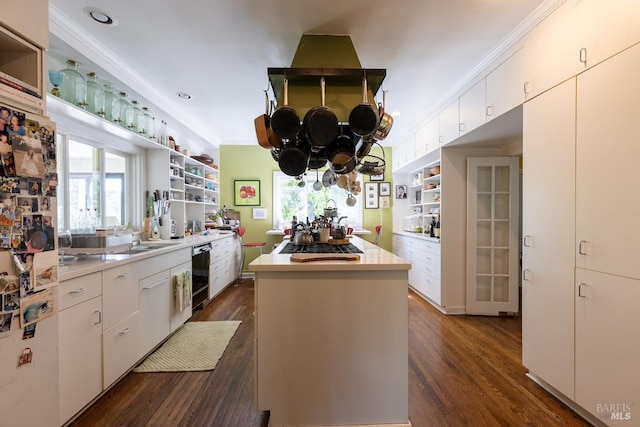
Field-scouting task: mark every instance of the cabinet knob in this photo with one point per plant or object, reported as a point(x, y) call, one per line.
point(583, 56)
point(99, 313)
point(77, 291)
point(489, 112)
point(526, 241)
point(526, 274)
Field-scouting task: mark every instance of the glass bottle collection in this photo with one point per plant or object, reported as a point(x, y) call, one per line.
point(102, 101)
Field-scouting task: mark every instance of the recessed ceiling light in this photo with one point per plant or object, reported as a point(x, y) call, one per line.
point(100, 16)
point(184, 95)
point(395, 113)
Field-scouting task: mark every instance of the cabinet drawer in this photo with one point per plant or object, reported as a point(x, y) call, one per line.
point(79, 289)
point(120, 348)
point(119, 293)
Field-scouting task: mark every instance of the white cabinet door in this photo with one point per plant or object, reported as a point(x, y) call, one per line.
point(120, 348)
point(548, 197)
point(606, 28)
point(155, 310)
point(473, 108)
point(119, 293)
point(492, 235)
point(607, 207)
point(178, 317)
point(505, 89)
point(428, 138)
point(548, 244)
point(80, 362)
point(33, 25)
point(607, 345)
point(449, 123)
point(550, 53)
point(548, 322)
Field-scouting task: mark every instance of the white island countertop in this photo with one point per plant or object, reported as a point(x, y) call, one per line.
point(372, 258)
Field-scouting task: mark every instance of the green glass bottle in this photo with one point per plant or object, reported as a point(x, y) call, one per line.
point(111, 110)
point(125, 108)
point(95, 95)
point(73, 88)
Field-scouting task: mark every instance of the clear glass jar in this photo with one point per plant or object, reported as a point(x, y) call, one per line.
point(73, 88)
point(111, 110)
point(138, 118)
point(125, 109)
point(95, 95)
point(147, 122)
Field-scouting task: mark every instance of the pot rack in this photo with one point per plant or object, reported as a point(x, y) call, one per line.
point(338, 77)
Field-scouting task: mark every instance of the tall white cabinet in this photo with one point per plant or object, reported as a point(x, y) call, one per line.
point(581, 278)
point(607, 233)
point(548, 226)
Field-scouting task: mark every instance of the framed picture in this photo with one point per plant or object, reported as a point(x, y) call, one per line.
point(377, 177)
point(246, 192)
point(401, 191)
point(385, 189)
point(259, 213)
point(371, 195)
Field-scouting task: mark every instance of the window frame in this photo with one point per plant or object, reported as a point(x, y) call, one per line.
point(282, 223)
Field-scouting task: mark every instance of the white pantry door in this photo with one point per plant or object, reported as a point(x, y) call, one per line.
point(492, 235)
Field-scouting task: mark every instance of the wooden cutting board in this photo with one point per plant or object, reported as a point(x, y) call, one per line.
point(324, 257)
point(333, 241)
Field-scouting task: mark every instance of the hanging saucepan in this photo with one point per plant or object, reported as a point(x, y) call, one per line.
point(363, 119)
point(275, 153)
point(345, 168)
point(261, 124)
point(386, 121)
point(320, 124)
point(364, 146)
point(294, 157)
point(317, 159)
point(340, 153)
point(285, 122)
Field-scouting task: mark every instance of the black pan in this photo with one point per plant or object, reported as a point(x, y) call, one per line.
point(363, 119)
point(317, 159)
point(285, 122)
point(294, 157)
point(320, 124)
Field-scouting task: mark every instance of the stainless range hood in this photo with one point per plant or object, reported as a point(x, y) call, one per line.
point(332, 57)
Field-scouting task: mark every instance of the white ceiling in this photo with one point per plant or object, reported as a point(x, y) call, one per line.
point(219, 51)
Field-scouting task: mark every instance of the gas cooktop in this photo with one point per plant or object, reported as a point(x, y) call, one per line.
point(320, 248)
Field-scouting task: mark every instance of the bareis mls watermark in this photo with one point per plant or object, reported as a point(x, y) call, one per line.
point(614, 411)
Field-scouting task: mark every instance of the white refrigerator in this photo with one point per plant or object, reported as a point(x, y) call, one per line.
point(28, 269)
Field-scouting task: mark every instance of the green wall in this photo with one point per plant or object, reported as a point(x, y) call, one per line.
point(241, 162)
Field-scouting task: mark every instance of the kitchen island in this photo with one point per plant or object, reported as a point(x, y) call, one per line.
point(331, 339)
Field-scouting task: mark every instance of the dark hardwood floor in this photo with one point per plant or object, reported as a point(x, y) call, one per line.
point(463, 371)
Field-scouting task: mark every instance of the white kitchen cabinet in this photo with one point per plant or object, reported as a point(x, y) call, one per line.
point(155, 310)
point(427, 138)
point(549, 184)
point(29, 18)
point(548, 252)
point(403, 153)
point(505, 87)
point(605, 28)
point(222, 267)
point(607, 211)
point(550, 52)
point(121, 349)
point(449, 123)
point(548, 322)
point(607, 344)
point(472, 108)
point(79, 343)
point(178, 317)
point(119, 293)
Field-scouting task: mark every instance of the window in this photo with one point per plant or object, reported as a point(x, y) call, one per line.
point(304, 202)
point(94, 185)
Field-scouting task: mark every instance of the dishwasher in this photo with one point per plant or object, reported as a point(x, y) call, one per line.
point(200, 283)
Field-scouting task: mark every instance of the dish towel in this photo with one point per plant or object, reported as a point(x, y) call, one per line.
point(182, 290)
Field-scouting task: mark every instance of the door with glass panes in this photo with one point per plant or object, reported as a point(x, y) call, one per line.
point(492, 235)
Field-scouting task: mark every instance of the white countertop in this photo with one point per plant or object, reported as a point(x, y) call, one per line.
point(372, 258)
point(90, 264)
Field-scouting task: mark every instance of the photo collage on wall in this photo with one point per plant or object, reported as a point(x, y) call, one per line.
point(28, 186)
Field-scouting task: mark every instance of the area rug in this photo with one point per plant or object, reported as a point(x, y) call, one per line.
point(197, 346)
